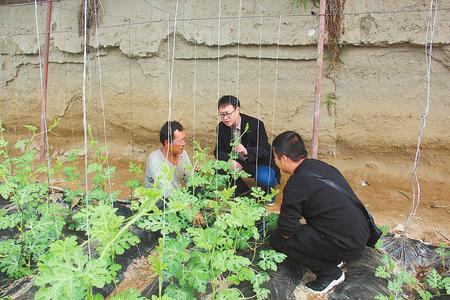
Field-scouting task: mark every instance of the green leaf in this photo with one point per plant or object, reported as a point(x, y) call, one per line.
point(9, 220)
point(206, 238)
point(61, 271)
point(71, 173)
point(446, 284)
point(381, 297)
point(97, 273)
point(128, 294)
point(425, 295)
point(434, 279)
point(31, 128)
point(395, 285)
point(174, 291)
point(228, 294)
point(65, 272)
point(269, 258)
point(11, 261)
point(381, 272)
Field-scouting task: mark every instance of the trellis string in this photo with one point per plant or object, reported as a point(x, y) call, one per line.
point(99, 67)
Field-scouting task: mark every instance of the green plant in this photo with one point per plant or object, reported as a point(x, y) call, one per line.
point(135, 182)
point(334, 13)
point(304, 3)
point(128, 294)
point(64, 269)
point(434, 284)
point(98, 170)
point(397, 278)
point(384, 230)
point(330, 102)
point(443, 253)
point(67, 272)
point(222, 253)
point(38, 220)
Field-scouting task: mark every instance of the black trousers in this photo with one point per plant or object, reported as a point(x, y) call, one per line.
point(313, 250)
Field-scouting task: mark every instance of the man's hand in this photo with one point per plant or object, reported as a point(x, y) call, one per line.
point(236, 165)
point(241, 150)
point(198, 219)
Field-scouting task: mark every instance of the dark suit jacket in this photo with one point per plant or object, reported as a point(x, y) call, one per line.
point(251, 140)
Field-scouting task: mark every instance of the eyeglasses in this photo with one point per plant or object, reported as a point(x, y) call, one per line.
point(227, 115)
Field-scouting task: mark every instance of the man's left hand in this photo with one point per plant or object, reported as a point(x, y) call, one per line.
point(241, 149)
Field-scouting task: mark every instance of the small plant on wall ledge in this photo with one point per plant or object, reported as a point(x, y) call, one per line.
point(333, 26)
point(330, 102)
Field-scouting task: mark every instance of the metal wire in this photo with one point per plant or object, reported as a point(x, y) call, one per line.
point(237, 17)
point(431, 29)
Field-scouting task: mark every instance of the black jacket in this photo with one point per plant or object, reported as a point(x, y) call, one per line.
point(257, 145)
point(325, 208)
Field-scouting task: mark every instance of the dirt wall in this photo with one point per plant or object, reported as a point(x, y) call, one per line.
point(379, 86)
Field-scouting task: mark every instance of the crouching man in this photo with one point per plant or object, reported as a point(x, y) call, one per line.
point(335, 230)
point(171, 153)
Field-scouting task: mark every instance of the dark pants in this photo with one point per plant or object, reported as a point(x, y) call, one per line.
point(311, 249)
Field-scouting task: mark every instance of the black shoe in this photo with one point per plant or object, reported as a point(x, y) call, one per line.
point(323, 284)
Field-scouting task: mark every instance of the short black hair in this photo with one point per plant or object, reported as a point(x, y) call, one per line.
point(228, 100)
point(166, 132)
point(291, 144)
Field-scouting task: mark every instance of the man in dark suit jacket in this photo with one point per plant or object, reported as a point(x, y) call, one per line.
point(254, 151)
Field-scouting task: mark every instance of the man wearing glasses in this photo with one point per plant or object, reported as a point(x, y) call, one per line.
point(253, 148)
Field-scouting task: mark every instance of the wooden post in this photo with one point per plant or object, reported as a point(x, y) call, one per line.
point(319, 79)
point(48, 27)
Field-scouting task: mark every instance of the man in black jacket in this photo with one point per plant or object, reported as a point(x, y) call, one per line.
point(335, 230)
point(253, 149)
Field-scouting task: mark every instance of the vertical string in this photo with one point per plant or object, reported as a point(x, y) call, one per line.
point(275, 88)
point(238, 50)
point(228, 55)
point(130, 89)
point(42, 88)
point(68, 91)
point(259, 110)
point(259, 89)
point(168, 63)
point(99, 67)
point(15, 91)
point(431, 28)
point(5, 104)
point(194, 87)
point(169, 115)
point(85, 129)
point(208, 70)
point(218, 82)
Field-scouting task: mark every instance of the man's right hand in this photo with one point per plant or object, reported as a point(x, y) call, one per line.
point(236, 165)
point(198, 219)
